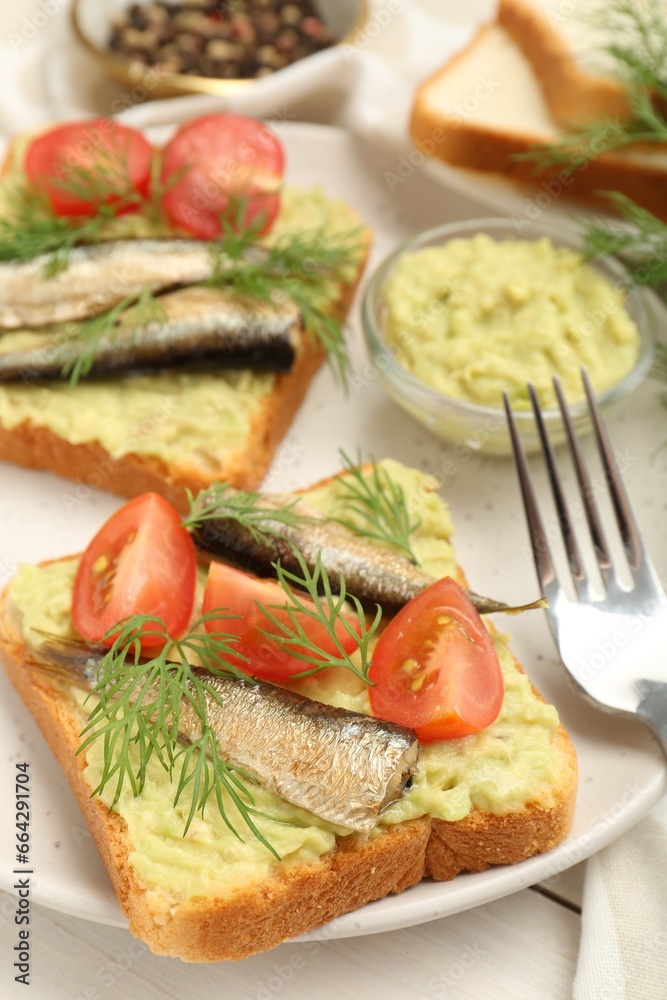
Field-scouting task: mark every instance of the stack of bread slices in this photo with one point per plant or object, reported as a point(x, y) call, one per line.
point(540, 71)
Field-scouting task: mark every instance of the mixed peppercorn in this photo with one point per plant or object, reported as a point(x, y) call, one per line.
point(228, 40)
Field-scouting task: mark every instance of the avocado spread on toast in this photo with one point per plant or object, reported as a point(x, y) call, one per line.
point(501, 769)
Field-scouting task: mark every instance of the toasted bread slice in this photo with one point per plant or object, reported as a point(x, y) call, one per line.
point(234, 421)
point(294, 899)
point(290, 899)
point(485, 106)
point(565, 45)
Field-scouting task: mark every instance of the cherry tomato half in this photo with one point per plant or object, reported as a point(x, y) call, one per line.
point(239, 594)
point(141, 562)
point(435, 667)
point(216, 158)
point(113, 161)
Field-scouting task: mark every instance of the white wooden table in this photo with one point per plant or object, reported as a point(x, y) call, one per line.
point(521, 947)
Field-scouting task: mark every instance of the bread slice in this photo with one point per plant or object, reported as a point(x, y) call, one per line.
point(565, 46)
point(485, 106)
point(55, 435)
point(290, 899)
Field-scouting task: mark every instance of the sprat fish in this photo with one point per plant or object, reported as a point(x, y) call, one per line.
point(192, 326)
point(342, 766)
point(373, 574)
point(96, 278)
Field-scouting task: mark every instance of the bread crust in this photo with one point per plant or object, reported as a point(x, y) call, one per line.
point(293, 900)
point(573, 94)
point(463, 143)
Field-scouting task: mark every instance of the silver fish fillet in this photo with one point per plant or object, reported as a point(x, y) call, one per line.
point(342, 766)
point(372, 574)
point(195, 326)
point(96, 279)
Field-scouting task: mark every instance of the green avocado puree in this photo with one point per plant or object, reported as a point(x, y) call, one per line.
point(511, 763)
point(476, 316)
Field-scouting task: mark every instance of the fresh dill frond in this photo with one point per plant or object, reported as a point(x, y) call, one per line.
point(642, 241)
point(303, 267)
point(379, 501)
point(30, 229)
point(637, 42)
point(637, 45)
point(127, 317)
point(106, 181)
point(592, 139)
point(221, 501)
point(139, 706)
point(325, 609)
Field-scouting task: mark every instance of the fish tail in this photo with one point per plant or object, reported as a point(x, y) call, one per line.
point(65, 660)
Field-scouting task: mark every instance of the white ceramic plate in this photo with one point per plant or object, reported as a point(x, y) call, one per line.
point(621, 771)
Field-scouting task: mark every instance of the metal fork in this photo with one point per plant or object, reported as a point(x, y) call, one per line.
point(613, 643)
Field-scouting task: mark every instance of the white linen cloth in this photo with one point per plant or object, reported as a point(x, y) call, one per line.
point(368, 88)
point(623, 952)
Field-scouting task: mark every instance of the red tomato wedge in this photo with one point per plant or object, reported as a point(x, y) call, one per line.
point(216, 158)
point(435, 668)
point(141, 562)
point(241, 594)
point(113, 161)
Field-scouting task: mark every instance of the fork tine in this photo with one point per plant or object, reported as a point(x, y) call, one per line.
point(625, 518)
point(546, 572)
point(585, 485)
point(564, 520)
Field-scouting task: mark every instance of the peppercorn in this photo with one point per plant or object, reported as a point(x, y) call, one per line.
point(219, 38)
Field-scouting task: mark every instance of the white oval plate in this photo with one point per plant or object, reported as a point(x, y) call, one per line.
point(622, 774)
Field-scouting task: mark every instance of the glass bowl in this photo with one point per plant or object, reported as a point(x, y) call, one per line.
point(471, 425)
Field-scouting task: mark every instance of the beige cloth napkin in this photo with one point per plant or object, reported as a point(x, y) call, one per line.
point(623, 953)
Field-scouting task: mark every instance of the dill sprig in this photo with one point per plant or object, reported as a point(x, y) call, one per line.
point(139, 706)
point(637, 45)
point(247, 508)
point(327, 610)
point(106, 182)
point(642, 240)
point(30, 229)
point(297, 266)
point(379, 500)
point(125, 319)
point(646, 124)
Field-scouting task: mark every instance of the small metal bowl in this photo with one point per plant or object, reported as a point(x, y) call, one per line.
point(92, 25)
point(469, 425)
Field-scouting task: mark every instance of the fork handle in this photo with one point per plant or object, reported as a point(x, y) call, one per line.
point(653, 708)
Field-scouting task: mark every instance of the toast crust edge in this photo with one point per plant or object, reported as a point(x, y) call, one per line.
point(573, 94)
